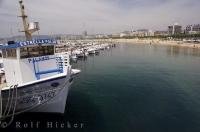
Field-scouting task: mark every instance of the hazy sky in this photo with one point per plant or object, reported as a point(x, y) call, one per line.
point(98, 16)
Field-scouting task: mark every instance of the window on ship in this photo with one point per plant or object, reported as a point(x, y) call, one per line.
point(9, 53)
point(29, 52)
point(1, 65)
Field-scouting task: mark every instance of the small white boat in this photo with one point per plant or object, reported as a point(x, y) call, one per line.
point(75, 71)
point(79, 53)
point(74, 57)
point(102, 48)
point(91, 51)
point(97, 51)
point(86, 53)
point(107, 47)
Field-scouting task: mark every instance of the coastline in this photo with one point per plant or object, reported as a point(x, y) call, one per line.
point(159, 42)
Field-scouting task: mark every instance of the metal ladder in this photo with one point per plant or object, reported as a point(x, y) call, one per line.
point(60, 63)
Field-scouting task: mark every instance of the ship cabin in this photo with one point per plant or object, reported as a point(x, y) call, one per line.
point(29, 61)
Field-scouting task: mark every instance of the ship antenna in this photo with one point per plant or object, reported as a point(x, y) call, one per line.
point(25, 21)
point(29, 28)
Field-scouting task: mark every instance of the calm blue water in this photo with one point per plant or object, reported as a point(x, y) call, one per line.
point(135, 88)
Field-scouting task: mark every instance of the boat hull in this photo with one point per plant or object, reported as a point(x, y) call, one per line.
point(57, 104)
point(47, 96)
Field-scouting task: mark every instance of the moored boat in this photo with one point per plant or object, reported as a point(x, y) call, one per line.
point(37, 79)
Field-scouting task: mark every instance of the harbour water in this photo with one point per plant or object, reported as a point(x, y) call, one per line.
point(130, 88)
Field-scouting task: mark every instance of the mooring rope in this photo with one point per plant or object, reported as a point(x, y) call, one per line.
point(9, 104)
point(14, 108)
point(12, 99)
point(4, 113)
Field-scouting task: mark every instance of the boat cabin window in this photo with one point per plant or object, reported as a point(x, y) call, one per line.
point(9, 53)
point(36, 51)
point(1, 65)
point(4, 53)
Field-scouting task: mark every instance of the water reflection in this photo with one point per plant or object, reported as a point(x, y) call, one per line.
point(176, 51)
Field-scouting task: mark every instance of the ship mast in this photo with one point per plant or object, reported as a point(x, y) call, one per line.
point(24, 17)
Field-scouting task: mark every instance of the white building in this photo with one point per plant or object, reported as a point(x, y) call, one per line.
point(174, 29)
point(192, 29)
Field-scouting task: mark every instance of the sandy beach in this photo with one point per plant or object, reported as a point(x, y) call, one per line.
point(158, 41)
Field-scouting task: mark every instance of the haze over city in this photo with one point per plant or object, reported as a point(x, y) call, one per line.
point(97, 16)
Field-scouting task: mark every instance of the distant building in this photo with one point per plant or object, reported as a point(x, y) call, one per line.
point(85, 33)
point(90, 37)
point(65, 38)
point(115, 35)
point(161, 33)
point(188, 29)
point(174, 29)
point(192, 29)
point(151, 33)
point(125, 34)
point(133, 34)
point(144, 33)
point(101, 36)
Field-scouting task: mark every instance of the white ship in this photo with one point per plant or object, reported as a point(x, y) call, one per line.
point(37, 78)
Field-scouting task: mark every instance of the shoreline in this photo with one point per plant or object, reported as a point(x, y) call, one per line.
point(159, 42)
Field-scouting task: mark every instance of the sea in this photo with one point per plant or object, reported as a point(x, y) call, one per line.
point(129, 88)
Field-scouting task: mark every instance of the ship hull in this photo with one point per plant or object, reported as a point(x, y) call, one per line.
point(47, 96)
point(57, 104)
